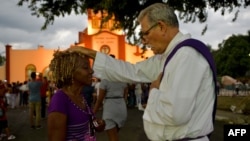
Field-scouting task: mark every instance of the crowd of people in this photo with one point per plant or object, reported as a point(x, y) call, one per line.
point(33, 94)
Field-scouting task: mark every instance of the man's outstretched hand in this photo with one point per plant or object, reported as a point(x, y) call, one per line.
point(86, 51)
point(77, 49)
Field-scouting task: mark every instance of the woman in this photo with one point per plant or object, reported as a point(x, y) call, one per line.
point(112, 95)
point(69, 116)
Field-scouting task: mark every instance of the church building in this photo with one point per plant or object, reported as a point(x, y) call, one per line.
point(21, 62)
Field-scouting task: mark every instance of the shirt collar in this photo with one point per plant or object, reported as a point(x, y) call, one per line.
point(179, 37)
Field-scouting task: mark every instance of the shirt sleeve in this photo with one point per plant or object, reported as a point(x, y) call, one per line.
point(103, 84)
point(111, 69)
point(58, 103)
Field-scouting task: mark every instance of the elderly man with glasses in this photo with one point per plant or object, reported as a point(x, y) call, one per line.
point(182, 96)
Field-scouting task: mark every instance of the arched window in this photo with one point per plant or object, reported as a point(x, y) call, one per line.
point(29, 68)
point(47, 73)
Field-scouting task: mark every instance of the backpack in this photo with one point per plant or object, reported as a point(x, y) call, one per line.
point(203, 50)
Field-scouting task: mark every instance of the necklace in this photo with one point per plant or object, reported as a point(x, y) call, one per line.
point(78, 100)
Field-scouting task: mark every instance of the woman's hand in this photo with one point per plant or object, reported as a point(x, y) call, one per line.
point(100, 126)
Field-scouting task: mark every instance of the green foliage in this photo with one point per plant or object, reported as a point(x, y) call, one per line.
point(2, 60)
point(126, 11)
point(233, 56)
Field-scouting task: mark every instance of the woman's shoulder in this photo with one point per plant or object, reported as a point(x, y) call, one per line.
point(58, 102)
point(59, 96)
point(60, 93)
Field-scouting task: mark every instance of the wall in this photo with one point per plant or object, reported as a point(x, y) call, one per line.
point(19, 59)
point(2, 72)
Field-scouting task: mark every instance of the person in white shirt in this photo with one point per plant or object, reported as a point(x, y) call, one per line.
point(138, 94)
point(181, 102)
point(97, 85)
point(24, 90)
point(237, 87)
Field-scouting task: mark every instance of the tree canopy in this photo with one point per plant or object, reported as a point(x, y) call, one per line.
point(2, 60)
point(125, 12)
point(233, 56)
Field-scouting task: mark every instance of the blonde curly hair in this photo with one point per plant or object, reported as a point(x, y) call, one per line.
point(63, 65)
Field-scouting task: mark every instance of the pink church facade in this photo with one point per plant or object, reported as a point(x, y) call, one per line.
point(21, 62)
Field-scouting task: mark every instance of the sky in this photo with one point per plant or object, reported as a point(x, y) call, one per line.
point(21, 30)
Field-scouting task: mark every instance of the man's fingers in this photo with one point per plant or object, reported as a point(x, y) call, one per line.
point(159, 76)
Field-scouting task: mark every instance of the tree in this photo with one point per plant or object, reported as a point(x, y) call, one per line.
point(233, 56)
point(125, 12)
point(2, 60)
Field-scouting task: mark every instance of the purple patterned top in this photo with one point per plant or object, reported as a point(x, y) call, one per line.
point(77, 119)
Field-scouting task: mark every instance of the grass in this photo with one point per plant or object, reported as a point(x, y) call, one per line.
point(241, 102)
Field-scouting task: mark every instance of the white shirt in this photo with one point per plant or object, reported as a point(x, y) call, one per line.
point(24, 87)
point(97, 85)
point(138, 89)
point(182, 106)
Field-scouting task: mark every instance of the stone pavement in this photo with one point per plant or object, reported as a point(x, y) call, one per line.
point(132, 131)
point(19, 125)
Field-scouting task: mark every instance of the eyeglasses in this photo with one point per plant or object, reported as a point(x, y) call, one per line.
point(145, 33)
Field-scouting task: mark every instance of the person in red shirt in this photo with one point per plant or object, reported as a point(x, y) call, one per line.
point(3, 118)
